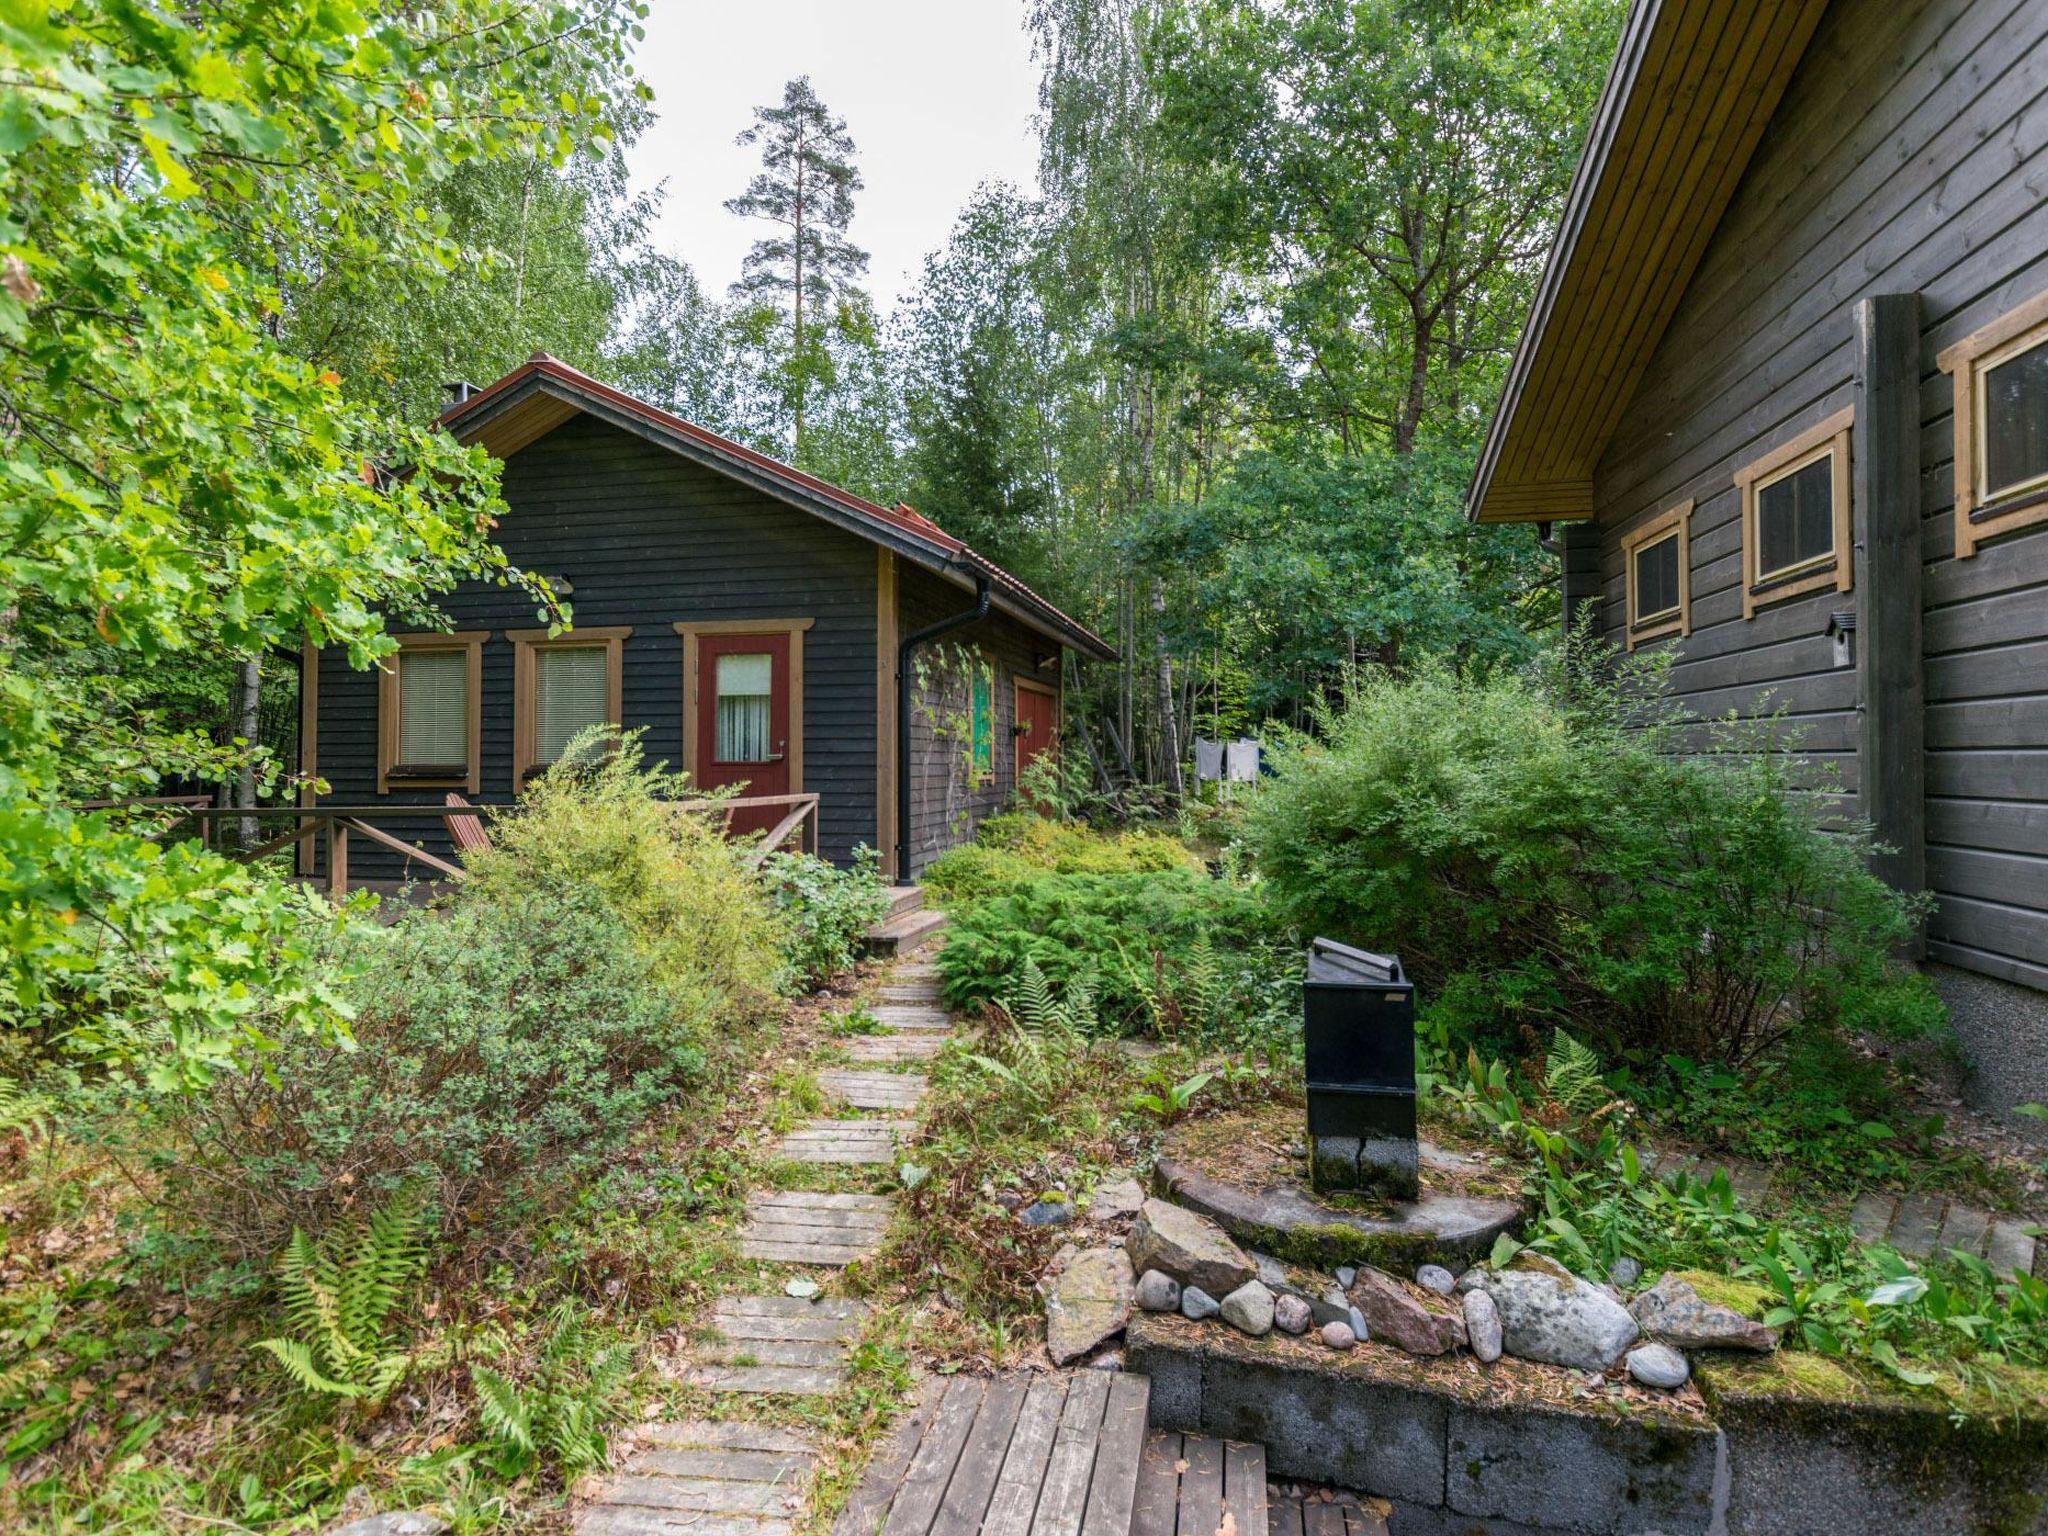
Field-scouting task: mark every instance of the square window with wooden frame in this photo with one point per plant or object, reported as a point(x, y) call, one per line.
point(1795, 516)
point(562, 684)
point(2000, 377)
point(429, 713)
point(1657, 574)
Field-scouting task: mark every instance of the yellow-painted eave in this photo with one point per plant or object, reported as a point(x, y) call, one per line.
point(1688, 96)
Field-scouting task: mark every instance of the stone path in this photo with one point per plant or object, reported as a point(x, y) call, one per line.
point(811, 1227)
point(778, 1344)
point(843, 1141)
point(874, 1090)
point(706, 1479)
point(1193, 1485)
point(1021, 1454)
point(1916, 1225)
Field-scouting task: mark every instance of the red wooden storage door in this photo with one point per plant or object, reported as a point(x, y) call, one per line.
point(743, 719)
point(1036, 726)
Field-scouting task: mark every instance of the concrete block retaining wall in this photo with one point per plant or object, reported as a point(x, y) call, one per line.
point(1461, 1452)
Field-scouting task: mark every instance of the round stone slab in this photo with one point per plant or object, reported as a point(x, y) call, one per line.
point(1288, 1220)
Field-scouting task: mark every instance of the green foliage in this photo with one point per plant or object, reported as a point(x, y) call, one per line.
point(558, 1411)
point(825, 911)
point(1571, 1075)
point(1011, 850)
point(1837, 1296)
point(338, 1294)
point(178, 488)
point(501, 1048)
point(604, 828)
point(1544, 853)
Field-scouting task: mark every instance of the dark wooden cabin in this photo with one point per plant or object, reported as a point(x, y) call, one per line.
point(750, 617)
point(1784, 397)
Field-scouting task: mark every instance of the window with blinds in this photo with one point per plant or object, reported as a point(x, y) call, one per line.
point(433, 714)
point(745, 684)
point(571, 690)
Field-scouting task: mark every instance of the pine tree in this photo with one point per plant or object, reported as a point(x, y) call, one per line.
point(805, 186)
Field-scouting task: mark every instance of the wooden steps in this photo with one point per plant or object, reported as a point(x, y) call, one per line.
point(898, 1092)
point(907, 926)
point(868, 1141)
point(1022, 1454)
point(810, 1227)
point(776, 1344)
point(704, 1479)
point(1322, 1512)
point(1196, 1485)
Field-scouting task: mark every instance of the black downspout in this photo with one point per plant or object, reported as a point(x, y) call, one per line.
point(904, 647)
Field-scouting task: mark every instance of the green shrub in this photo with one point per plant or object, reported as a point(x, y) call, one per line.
point(603, 829)
point(500, 1048)
point(1013, 849)
point(1158, 949)
point(825, 911)
point(1547, 855)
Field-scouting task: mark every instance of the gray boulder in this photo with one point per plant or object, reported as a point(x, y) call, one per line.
point(1418, 1321)
point(1196, 1303)
point(1623, 1273)
point(1672, 1312)
point(1158, 1291)
point(1192, 1249)
point(1435, 1278)
point(1658, 1365)
point(1339, 1336)
point(1291, 1314)
point(1088, 1303)
point(1115, 1199)
point(1547, 1313)
point(396, 1522)
point(1249, 1309)
point(1482, 1326)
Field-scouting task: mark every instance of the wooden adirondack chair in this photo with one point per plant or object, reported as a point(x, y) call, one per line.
point(465, 826)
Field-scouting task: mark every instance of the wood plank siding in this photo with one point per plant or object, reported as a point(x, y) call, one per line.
point(944, 808)
point(648, 539)
point(1907, 156)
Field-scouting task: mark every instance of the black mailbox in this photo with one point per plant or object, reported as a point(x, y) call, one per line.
point(1358, 1048)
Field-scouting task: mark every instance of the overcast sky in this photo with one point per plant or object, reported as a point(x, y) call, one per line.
point(938, 95)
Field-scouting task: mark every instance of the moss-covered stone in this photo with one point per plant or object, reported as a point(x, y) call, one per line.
point(1752, 1301)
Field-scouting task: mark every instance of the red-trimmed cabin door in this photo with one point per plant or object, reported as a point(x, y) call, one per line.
point(743, 720)
point(1036, 727)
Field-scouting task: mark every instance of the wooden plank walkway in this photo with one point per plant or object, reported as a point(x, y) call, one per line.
point(1322, 1512)
point(896, 1048)
point(899, 1091)
point(810, 1227)
point(913, 1016)
point(1017, 1455)
point(776, 1344)
point(1195, 1485)
point(843, 1141)
point(704, 1479)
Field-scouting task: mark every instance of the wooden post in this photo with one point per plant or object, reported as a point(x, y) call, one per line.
point(1886, 501)
point(337, 858)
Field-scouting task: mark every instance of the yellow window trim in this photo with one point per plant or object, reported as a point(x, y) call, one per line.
point(1979, 520)
point(1674, 521)
point(1828, 439)
point(527, 641)
point(470, 642)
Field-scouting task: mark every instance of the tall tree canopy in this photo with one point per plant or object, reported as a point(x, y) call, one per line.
point(175, 481)
point(805, 188)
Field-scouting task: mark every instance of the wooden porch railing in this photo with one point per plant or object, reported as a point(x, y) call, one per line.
point(338, 824)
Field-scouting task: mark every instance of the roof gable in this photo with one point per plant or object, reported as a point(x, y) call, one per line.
point(544, 392)
point(1693, 85)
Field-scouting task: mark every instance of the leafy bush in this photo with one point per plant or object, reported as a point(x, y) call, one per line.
point(1013, 849)
point(824, 910)
point(1158, 950)
point(601, 828)
point(514, 1040)
point(1545, 853)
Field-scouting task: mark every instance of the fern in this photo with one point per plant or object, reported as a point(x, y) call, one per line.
point(1571, 1075)
point(21, 1108)
point(561, 1411)
point(338, 1294)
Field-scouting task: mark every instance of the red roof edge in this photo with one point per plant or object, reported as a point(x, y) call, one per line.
point(902, 518)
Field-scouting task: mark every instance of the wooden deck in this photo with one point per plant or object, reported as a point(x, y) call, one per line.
point(1322, 1512)
point(1017, 1455)
point(1194, 1485)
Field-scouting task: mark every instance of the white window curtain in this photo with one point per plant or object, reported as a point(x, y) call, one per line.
point(433, 709)
point(744, 684)
point(571, 690)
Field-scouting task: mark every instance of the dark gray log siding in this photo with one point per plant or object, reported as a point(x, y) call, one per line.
point(648, 539)
point(1910, 154)
point(943, 812)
